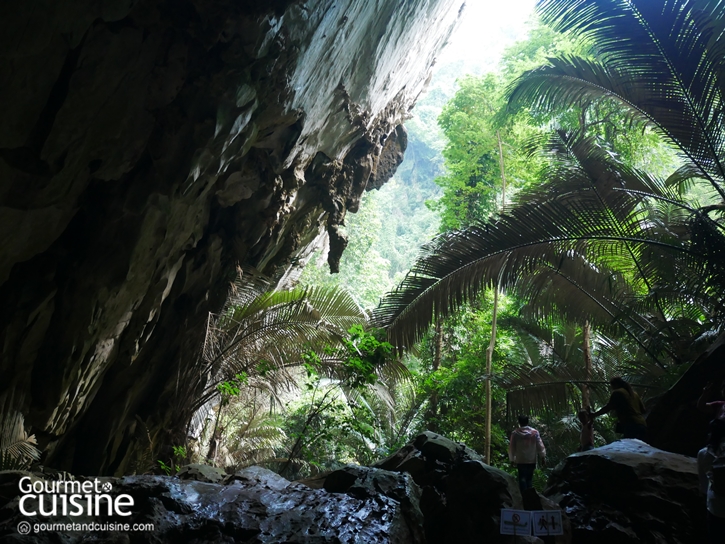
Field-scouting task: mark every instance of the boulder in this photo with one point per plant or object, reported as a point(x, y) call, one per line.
point(367, 483)
point(461, 496)
point(432, 490)
point(674, 423)
point(629, 492)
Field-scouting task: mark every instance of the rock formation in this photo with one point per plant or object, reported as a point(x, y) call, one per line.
point(674, 422)
point(629, 492)
point(432, 490)
point(438, 492)
point(147, 147)
point(461, 497)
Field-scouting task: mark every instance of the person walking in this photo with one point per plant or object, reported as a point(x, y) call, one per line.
point(524, 445)
point(628, 407)
point(715, 450)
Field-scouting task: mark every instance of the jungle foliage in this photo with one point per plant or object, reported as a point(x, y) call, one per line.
point(609, 252)
point(294, 381)
point(604, 234)
point(627, 245)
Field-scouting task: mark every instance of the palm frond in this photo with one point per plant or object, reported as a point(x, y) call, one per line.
point(582, 236)
point(553, 376)
point(536, 399)
point(274, 328)
point(18, 450)
point(660, 60)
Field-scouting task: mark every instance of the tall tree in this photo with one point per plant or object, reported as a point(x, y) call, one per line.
point(470, 182)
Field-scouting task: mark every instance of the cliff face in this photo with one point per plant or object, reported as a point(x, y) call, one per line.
point(147, 147)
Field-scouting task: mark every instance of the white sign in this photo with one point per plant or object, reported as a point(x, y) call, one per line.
point(515, 522)
point(547, 522)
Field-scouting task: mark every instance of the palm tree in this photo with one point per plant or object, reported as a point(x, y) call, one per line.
point(253, 431)
point(265, 331)
point(257, 351)
point(552, 375)
point(663, 63)
point(584, 244)
point(660, 61)
point(258, 341)
point(599, 240)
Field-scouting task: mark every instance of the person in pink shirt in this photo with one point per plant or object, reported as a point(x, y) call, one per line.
point(524, 445)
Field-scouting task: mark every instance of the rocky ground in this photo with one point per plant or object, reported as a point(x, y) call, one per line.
point(433, 490)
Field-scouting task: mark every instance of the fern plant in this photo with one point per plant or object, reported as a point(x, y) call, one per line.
point(18, 450)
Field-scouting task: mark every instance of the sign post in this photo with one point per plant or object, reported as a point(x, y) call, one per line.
point(515, 522)
point(521, 522)
point(547, 523)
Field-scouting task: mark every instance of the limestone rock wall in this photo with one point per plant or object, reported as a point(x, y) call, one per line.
point(147, 147)
point(674, 422)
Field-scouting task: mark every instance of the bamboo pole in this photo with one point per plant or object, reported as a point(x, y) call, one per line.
point(433, 408)
point(492, 344)
point(586, 396)
point(489, 358)
point(503, 173)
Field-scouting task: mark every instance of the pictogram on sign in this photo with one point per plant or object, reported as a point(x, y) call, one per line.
point(515, 522)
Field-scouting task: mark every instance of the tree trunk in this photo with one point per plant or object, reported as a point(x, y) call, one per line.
point(489, 359)
point(503, 172)
point(492, 344)
point(437, 349)
point(586, 397)
point(214, 440)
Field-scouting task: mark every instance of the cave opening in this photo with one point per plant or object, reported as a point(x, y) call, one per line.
point(521, 206)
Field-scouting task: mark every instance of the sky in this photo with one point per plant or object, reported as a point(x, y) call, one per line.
point(487, 28)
